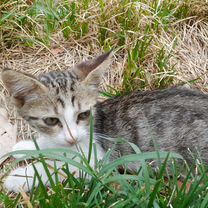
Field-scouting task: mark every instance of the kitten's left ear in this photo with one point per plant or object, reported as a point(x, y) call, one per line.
point(22, 87)
point(90, 72)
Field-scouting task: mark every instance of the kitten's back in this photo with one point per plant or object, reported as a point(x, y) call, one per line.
point(176, 119)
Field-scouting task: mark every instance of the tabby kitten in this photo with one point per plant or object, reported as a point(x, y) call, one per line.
point(58, 105)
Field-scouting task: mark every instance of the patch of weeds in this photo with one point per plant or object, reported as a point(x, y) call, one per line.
point(136, 76)
point(107, 188)
point(122, 22)
point(166, 72)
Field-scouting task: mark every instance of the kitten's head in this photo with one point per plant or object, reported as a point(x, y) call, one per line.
point(58, 104)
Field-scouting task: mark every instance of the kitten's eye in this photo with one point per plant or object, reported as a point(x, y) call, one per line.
point(51, 121)
point(83, 115)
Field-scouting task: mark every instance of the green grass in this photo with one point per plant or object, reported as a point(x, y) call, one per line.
point(135, 29)
point(108, 188)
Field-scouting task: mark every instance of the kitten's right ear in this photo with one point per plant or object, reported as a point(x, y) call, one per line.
point(90, 72)
point(22, 87)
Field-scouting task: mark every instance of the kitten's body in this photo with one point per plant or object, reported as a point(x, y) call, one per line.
point(57, 106)
point(175, 119)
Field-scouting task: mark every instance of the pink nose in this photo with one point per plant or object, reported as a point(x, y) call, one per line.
point(72, 141)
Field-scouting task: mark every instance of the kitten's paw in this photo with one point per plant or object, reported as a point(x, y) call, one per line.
point(7, 134)
point(23, 145)
point(20, 179)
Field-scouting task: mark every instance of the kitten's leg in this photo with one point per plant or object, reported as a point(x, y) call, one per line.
point(23, 145)
point(43, 143)
point(22, 177)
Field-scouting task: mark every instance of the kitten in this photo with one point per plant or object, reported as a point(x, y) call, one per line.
point(58, 104)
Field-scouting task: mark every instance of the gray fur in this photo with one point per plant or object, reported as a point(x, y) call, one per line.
point(175, 119)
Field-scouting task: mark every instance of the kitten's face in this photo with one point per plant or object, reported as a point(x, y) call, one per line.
point(64, 117)
point(58, 104)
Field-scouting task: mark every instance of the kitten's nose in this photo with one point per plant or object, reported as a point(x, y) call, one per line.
point(72, 141)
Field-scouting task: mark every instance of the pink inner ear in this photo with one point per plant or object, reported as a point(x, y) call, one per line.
point(85, 68)
point(19, 102)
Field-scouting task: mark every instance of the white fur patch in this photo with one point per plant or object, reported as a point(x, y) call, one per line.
point(22, 177)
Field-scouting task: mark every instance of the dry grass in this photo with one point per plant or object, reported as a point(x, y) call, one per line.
point(191, 53)
point(198, 8)
point(189, 44)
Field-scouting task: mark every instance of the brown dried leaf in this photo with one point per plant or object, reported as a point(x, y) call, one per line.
point(56, 51)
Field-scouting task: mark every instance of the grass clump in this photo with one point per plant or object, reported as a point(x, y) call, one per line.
point(34, 22)
point(107, 188)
